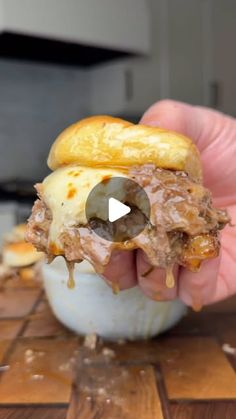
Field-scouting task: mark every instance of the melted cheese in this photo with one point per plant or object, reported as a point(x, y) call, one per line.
point(66, 190)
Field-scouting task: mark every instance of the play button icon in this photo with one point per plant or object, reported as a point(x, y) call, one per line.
point(117, 209)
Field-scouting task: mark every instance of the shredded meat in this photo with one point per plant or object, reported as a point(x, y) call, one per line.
point(178, 203)
point(39, 223)
point(183, 226)
point(82, 243)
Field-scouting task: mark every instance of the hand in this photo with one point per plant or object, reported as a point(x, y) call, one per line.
point(215, 136)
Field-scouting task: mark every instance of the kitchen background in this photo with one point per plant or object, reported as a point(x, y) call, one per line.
point(61, 60)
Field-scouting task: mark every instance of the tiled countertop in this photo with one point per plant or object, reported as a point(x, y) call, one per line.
point(183, 374)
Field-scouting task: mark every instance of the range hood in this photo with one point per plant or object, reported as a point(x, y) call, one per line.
point(80, 32)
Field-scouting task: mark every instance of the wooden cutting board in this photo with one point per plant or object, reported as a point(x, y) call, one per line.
point(47, 374)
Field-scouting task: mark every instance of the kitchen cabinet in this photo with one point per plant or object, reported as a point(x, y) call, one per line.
point(202, 62)
point(123, 88)
point(116, 25)
point(186, 50)
point(73, 32)
point(175, 69)
point(222, 55)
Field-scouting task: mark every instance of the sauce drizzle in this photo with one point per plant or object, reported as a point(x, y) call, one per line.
point(71, 281)
point(170, 279)
point(115, 287)
point(196, 306)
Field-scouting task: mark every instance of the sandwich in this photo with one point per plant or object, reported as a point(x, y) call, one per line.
point(20, 259)
point(182, 227)
point(16, 252)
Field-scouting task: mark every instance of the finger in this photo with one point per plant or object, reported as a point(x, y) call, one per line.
point(226, 284)
point(201, 124)
point(198, 289)
point(121, 270)
point(152, 281)
point(176, 116)
point(216, 280)
point(212, 132)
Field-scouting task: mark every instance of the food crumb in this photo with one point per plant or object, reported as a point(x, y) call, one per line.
point(228, 349)
point(108, 352)
point(101, 391)
point(29, 356)
point(90, 341)
point(28, 352)
point(65, 367)
point(121, 342)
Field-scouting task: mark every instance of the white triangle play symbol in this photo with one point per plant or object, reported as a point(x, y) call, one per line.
point(116, 209)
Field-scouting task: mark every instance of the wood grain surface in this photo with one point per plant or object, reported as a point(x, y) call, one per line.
point(17, 302)
point(204, 410)
point(9, 330)
point(40, 371)
point(44, 373)
point(196, 368)
point(22, 412)
point(116, 392)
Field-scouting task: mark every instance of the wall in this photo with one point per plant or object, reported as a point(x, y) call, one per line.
point(36, 102)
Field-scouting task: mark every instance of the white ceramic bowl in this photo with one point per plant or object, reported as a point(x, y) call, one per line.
point(92, 307)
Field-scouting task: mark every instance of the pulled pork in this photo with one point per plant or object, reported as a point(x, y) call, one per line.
point(183, 226)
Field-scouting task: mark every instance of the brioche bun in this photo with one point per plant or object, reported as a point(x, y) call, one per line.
point(112, 142)
point(16, 255)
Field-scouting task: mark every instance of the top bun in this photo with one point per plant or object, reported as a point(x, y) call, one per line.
point(113, 142)
point(20, 254)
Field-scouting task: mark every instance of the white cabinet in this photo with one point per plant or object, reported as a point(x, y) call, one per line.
point(175, 68)
point(123, 88)
point(186, 50)
point(117, 24)
point(223, 56)
point(202, 58)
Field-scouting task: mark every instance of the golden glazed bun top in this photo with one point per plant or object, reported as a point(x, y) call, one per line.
point(112, 142)
point(20, 254)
